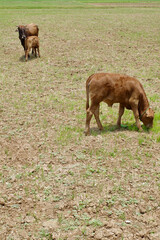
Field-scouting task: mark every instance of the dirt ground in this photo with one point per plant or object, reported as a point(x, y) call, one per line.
point(55, 183)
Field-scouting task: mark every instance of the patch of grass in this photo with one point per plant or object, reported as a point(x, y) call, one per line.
point(66, 133)
point(154, 98)
point(156, 123)
point(95, 223)
point(43, 233)
point(121, 215)
point(117, 1)
point(141, 141)
point(158, 139)
point(110, 202)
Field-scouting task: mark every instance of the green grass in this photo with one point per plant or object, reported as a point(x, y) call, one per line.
point(49, 169)
point(156, 125)
point(41, 4)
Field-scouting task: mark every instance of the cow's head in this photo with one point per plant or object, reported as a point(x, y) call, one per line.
point(148, 117)
point(21, 31)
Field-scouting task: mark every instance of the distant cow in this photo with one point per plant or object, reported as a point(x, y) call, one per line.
point(27, 30)
point(115, 88)
point(31, 42)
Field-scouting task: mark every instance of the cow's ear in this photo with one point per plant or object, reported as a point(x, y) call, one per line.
point(17, 28)
point(150, 112)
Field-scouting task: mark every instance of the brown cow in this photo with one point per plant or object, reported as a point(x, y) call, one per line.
point(116, 88)
point(27, 30)
point(31, 42)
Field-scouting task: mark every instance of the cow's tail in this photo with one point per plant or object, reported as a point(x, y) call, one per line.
point(87, 96)
point(87, 91)
point(37, 30)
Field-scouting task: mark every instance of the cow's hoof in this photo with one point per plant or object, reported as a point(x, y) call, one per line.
point(140, 130)
point(87, 133)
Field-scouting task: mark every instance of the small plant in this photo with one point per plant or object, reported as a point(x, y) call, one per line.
point(95, 222)
point(45, 234)
point(111, 202)
point(60, 218)
point(121, 215)
point(141, 141)
point(158, 139)
point(57, 198)
point(82, 205)
point(84, 231)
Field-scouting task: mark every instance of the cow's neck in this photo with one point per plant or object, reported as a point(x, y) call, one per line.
point(143, 104)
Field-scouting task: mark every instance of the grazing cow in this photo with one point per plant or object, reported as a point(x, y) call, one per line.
point(27, 30)
point(31, 42)
point(115, 88)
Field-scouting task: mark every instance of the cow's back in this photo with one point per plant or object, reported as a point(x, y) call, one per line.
point(114, 88)
point(32, 29)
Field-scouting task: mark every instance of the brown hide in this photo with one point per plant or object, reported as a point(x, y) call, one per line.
point(31, 30)
point(27, 30)
point(31, 42)
point(116, 88)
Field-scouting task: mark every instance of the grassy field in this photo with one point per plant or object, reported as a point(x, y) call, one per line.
point(55, 183)
point(40, 4)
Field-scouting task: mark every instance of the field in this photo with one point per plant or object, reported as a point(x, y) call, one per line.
point(56, 183)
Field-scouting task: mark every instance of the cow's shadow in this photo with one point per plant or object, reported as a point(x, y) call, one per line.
point(114, 128)
point(31, 57)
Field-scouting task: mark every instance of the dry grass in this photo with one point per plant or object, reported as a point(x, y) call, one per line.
point(55, 182)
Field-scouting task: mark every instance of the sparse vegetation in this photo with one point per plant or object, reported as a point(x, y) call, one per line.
point(55, 182)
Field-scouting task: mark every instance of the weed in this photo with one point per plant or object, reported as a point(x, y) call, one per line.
point(95, 222)
point(82, 205)
point(45, 234)
point(70, 225)
point(141, 141)
point(121, 215)
point(158, 139)
point(57, 198)
point(60, 218)
point(110, 202)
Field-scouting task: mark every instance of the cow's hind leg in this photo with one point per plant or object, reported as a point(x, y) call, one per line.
point(121, 111)
point(89, 113)
point(96, 114)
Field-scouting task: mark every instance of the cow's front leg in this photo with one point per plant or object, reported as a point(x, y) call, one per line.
point(136, 115)
point(121, 111)
point(26, 55)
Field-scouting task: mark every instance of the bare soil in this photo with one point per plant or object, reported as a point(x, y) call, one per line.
point(55, 183)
